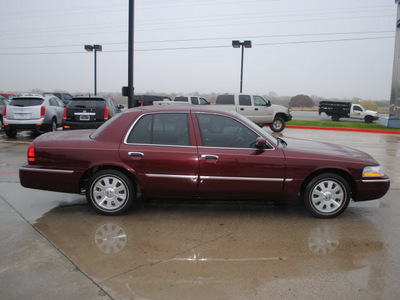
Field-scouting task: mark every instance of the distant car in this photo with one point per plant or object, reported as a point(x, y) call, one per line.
point(3, 103)
point(144, 100)
point(8, 95)
point(37, 113)
point(64, 97)
point(180, 151)
point(191, 100)
point(89, 112)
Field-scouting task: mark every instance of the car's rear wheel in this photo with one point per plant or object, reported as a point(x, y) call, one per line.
point(53, 125)
point(10, 132)
point(277, 125)
point(110, 192)
point(335, 118)
point(327, 195)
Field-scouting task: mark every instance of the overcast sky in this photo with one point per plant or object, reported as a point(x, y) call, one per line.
point(333, 49)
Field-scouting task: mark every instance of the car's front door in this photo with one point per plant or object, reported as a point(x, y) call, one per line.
point(161, 150)
point(231, 166)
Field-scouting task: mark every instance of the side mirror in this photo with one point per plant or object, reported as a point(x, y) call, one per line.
point(261, 143)
point(268, 103)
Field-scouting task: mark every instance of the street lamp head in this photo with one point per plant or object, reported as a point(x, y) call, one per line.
point(88, 47)
point(97, 47)
point(236, 44)
point(247, 44)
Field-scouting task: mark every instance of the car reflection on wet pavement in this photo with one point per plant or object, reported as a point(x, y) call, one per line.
point(225, 250)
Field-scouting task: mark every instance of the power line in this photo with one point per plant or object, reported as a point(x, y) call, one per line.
point(201, 47)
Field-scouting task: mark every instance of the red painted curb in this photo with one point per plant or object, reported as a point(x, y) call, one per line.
point(344, 129)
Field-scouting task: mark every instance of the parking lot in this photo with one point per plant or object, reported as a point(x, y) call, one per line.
point(54, 246)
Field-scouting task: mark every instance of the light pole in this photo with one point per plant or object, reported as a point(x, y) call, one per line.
point(245, 44)
point(94, 48)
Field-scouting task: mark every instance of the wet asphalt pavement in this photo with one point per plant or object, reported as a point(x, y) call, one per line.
point(53, 245)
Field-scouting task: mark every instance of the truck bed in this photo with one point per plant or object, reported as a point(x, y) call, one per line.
point(334, 107)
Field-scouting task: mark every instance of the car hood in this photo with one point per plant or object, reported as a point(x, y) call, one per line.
point(322, 150)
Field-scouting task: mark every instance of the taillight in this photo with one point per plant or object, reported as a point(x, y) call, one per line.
point(42, 111)
point(65, 114)
point(31, 153)
point(106, 114)
point(5, 112)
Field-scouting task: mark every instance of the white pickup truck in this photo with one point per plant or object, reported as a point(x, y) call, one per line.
point(257, 109)
point(340, 109)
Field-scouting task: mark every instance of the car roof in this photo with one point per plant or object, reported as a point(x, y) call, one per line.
point(89, 98)
point(182, 108)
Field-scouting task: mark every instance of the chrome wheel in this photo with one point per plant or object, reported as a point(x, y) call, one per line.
point(327, 196)
point(277, 125)
point(110, 192)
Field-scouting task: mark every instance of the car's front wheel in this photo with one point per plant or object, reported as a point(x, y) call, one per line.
point(277, 125)
point(327, 195)
point(110, 192)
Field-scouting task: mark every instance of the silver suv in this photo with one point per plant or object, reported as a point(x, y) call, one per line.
point(37, 113)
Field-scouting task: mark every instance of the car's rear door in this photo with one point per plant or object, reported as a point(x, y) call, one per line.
point(231, 166)
point(161, 150)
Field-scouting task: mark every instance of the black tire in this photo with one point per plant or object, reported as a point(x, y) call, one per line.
point(277, 125)
point(368, 119)
point(110, 192)
point(1, 124)
point(10, 132)
point(335, 118)
point(53, 125)
point(327, 196)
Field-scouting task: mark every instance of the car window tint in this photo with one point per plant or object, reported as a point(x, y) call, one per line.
point(182, 99)
point(164, 129)
point(244, 100)
point(93, 103)
point(226, 99)
point(222, 131)
point(194, 100)
point(26, 101)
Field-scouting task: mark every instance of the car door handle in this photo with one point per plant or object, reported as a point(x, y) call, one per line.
point(141, 154)
point(209, 156)
point(241, 108)
point(256, 109)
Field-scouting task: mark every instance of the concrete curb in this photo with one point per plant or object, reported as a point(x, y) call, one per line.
point(343, 129)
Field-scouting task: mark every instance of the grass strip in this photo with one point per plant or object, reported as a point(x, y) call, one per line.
point(371, 126)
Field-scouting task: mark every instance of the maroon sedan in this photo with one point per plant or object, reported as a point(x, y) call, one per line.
point(198, 152)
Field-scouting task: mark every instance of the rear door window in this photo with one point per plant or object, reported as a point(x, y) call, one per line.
point(161, 129)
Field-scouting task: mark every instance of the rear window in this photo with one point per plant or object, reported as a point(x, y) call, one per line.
point(182, 99)
point(93, 103)
point(225, 99)
point(26, 102)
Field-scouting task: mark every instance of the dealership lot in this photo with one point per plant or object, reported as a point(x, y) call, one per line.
point(191, 250)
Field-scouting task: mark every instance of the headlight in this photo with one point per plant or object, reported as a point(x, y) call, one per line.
point(373, 171)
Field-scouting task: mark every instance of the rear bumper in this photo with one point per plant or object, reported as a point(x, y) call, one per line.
point(36, 177)
point(18, 125)
point(81, 125)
